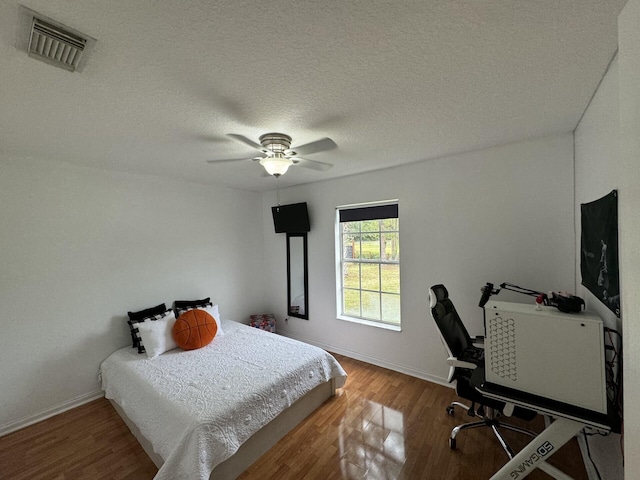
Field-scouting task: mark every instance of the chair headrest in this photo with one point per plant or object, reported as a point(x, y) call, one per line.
point(437, 294)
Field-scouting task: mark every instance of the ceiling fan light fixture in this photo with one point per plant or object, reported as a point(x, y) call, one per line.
point(277, 164)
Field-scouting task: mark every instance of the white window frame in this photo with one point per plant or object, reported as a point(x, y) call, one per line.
point(339, 265)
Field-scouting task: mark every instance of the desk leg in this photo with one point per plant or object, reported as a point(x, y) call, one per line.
point(553, 472)
point(540, 449)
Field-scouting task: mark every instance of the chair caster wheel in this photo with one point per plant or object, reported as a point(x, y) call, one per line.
point(452, 443)
point(450, 410)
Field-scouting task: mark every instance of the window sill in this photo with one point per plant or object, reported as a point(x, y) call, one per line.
point(371, 323)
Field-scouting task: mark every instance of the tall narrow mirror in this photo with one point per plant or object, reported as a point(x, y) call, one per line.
point(297, 289)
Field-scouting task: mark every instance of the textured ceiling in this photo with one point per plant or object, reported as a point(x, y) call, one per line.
point(390, 82)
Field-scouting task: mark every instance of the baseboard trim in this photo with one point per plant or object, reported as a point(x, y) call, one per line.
point(374, 361)
point(50, 412)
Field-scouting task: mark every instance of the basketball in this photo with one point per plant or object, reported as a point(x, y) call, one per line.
point(194, 329)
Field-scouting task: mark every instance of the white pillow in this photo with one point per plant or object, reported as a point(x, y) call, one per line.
point(157, 335)
point(213, 311)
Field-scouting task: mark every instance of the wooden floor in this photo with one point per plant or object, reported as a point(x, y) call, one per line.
point(381, 425)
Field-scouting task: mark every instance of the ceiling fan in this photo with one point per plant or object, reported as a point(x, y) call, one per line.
point(277, 154)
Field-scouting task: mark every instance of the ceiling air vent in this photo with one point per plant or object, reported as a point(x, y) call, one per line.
point(56, 46)
point(53, 42)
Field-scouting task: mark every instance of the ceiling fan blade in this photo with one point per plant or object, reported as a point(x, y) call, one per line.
point(312, 164)
point(321, 145)
point(246, 141)
point(229, 160)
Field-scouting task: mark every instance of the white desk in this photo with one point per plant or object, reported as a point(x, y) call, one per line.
point(568, 422)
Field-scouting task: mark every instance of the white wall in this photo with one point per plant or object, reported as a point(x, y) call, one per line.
point(597, 167)
point(629, 231)
point(597, 172)
point(81, 247)
point(501, 214)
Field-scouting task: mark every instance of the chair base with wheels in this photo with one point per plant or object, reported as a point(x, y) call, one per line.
point(489, 418)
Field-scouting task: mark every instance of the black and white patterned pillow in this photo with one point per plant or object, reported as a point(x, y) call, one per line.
point(135, 333)
point(181, 306)
point(141, 315)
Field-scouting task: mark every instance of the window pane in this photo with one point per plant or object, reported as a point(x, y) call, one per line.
point(390, 246)
point(351, 275)
point(350, 227)
point(350, 246)
point(371, 246)
point(391, 308)
point(371, 305)
point(389, 224)
point(370, 276)
point(370, 226)
point(351, 302)
point(390, 278)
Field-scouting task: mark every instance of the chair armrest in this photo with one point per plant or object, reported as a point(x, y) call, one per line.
point(478, 341)
point(454, 362)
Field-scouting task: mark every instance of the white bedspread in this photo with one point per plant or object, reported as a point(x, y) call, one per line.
point(197, 407)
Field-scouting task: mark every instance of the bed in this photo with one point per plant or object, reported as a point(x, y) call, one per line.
point(209, 413)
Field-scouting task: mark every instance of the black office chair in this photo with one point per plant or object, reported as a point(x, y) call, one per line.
point(464, 357)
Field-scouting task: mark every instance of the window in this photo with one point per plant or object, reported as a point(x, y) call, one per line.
point(368, 264)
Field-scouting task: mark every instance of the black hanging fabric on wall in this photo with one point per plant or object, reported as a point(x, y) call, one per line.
point(599, 250)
